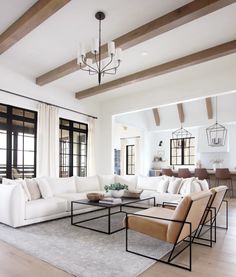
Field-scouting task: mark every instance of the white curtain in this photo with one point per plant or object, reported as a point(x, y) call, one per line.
point(48, 141)
point(91, 147)
point(137, 156)
point(123, 144)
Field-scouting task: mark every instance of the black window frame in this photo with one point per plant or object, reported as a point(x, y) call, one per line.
point(132, 165)
point(71, 129)
point(183, 147)
point(12, 145)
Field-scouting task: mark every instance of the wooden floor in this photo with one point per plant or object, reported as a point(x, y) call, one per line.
point(211, 262)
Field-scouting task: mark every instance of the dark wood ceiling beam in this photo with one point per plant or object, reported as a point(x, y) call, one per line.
point(32, 18)
point(193, 59)
point(181, 112)
point(172, 20)
point(209, 107)
point(156, 116)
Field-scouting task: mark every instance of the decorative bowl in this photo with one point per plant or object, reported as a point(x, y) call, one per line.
point(94, 196)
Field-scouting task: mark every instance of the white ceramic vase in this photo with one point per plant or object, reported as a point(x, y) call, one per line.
point(117, 193)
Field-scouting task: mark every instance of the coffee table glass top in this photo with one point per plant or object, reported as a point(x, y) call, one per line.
point(125, 201)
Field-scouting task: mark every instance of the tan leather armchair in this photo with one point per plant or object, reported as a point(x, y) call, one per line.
point(172, 226)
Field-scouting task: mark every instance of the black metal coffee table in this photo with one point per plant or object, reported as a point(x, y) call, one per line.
point(126, 202)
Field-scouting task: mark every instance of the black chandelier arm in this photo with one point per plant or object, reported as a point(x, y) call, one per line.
point(111, 59)
point(113, 68)
point(89, 66)
point(89, 70)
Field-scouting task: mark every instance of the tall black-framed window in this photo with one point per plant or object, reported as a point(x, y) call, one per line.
point(182, 151)
point(73, 148)
point(18, 140)
point(130, 159)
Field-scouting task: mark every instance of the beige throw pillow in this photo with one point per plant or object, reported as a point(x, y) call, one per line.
point(33, 189)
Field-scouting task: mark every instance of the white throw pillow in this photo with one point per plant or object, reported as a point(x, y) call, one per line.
point(87, 183)
point(204, 184)
point(174, 185)
point(44, 188)
point(129, 180)
point(33, 188)
point(148, 183)
point(163, 185)
point(6, 181)
point(195, 186)
point(106, 180)
point(186, 186)
point(62, 185)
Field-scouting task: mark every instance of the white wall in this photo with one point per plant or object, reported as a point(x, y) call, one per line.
point(228, 158)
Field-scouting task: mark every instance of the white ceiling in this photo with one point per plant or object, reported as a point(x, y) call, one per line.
point(55, 41)
point(195, 115)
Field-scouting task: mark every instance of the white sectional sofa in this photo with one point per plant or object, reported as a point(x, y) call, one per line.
point(24, 202)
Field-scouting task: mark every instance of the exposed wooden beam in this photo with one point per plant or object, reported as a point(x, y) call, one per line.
point(156, 116)
point(180, 112)
point(193, 59)
point(174, 19)
point(209, 107)
point(32, 18)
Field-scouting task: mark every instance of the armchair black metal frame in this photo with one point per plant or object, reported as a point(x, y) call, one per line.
point(188, 239)
point(213, 222)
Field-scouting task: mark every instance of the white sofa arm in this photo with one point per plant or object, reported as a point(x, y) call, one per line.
point(12, 205)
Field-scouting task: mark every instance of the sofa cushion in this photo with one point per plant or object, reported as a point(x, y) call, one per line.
point(129, 180)
point(163, 185)
point(174, 185)
point(73, 197)
point(44, 187)
point(84, 184)
point(6, 181)
point(106, 180)
point(203, 183)
point(45, 207)
point(33, 188)
point(185, 186)
point(62, 185)
point(148, 183)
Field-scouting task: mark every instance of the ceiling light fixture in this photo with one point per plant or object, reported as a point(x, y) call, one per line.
point(93, 63)
point(216, 133)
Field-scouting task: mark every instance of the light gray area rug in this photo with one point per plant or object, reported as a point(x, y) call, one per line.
point(83, 252)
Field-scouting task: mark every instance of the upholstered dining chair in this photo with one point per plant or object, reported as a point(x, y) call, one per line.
point(176, 227)
point(184, 173)
point(167, 172)
point(223, 176)
point(201, 173)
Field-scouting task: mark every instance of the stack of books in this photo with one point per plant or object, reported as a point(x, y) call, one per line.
point(110, 200)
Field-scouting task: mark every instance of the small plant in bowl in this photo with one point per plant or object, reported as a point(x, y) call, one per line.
point(116, 189)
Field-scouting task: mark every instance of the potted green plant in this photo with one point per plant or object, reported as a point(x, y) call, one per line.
point(116, 189)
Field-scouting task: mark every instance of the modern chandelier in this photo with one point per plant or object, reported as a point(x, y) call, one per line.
point(179, 134)
point(93, 61)
point(216, 133)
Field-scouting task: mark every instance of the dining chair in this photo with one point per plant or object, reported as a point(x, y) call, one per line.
point(184, 173)
point(223, 175)
point(167, 172)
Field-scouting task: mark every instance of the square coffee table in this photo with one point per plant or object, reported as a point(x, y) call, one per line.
point(126, 202)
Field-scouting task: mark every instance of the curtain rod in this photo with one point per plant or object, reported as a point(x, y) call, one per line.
point(30, 98)
point(131, 137)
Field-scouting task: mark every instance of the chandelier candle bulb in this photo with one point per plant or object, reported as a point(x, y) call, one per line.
point(111, 48)
point(89, 62)
point(79, 57)
point(81, 49)
point(95, 45)
point(119, 54)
